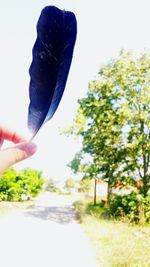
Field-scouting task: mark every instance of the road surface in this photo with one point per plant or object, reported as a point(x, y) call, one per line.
point(45, 235)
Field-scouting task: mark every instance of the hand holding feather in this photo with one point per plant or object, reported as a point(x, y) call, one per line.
point(52, 56)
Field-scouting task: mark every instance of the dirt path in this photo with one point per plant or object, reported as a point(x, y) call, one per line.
point(47, 234)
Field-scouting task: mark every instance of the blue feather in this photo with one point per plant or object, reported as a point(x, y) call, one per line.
point(52, 56)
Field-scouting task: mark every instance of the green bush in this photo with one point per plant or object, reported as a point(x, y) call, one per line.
point(98, 210)
point(84, 208)
point(19, 186)
point(134, 206)
point(51, 186)
point(80, 208)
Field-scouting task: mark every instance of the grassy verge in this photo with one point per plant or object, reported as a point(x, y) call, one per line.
point(8, 206)
point(116, 244)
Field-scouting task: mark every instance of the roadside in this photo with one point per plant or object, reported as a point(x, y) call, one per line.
point(7, 207)
point(116, 243)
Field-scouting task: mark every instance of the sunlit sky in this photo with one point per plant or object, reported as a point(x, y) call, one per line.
point(104, 27)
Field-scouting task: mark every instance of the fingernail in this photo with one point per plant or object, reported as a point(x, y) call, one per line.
point(30, 148)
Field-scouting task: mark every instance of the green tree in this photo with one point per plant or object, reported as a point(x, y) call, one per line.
point(86, 185)
point(70, 184)
point(51, 186)
point(33, 181)
point(114, 120)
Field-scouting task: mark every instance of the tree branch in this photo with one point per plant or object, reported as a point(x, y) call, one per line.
point(140, 173)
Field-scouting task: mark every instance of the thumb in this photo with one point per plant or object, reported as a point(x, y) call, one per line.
point(15, 154)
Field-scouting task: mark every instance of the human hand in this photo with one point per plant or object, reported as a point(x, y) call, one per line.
point(22, 150)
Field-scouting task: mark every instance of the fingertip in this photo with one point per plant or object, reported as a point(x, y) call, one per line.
point(29, 148)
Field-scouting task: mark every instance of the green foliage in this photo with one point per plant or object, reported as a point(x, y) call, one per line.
point(134, 206)
point(75, 163)
point(18, 186)
point(51, 186)
point(97, 210)
point(80, 207)
point(86, 185)
point(113, 121)
point(86, 207)
point(70, 184)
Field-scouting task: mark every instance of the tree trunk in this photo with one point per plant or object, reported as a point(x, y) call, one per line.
point(146, 158)
point(108, 192)
point(95, 186)
point(145, 168)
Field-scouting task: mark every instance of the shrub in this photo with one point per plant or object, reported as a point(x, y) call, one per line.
point(70, 184)
point(19, 186)
point(80, 208)
point(51, 186)
point(133, 206)
point(98, 210)
point(84, 208)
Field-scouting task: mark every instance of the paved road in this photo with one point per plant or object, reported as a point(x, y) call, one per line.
point(47, 234)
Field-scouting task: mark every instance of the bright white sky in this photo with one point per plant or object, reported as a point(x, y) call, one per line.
point(104, 27)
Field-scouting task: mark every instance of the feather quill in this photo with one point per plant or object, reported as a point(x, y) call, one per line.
point(52, 56)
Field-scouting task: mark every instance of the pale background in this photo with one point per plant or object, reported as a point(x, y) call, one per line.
point(104, 27)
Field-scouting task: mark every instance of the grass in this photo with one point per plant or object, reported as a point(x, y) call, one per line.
point(116, 244)
point(8, 206)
